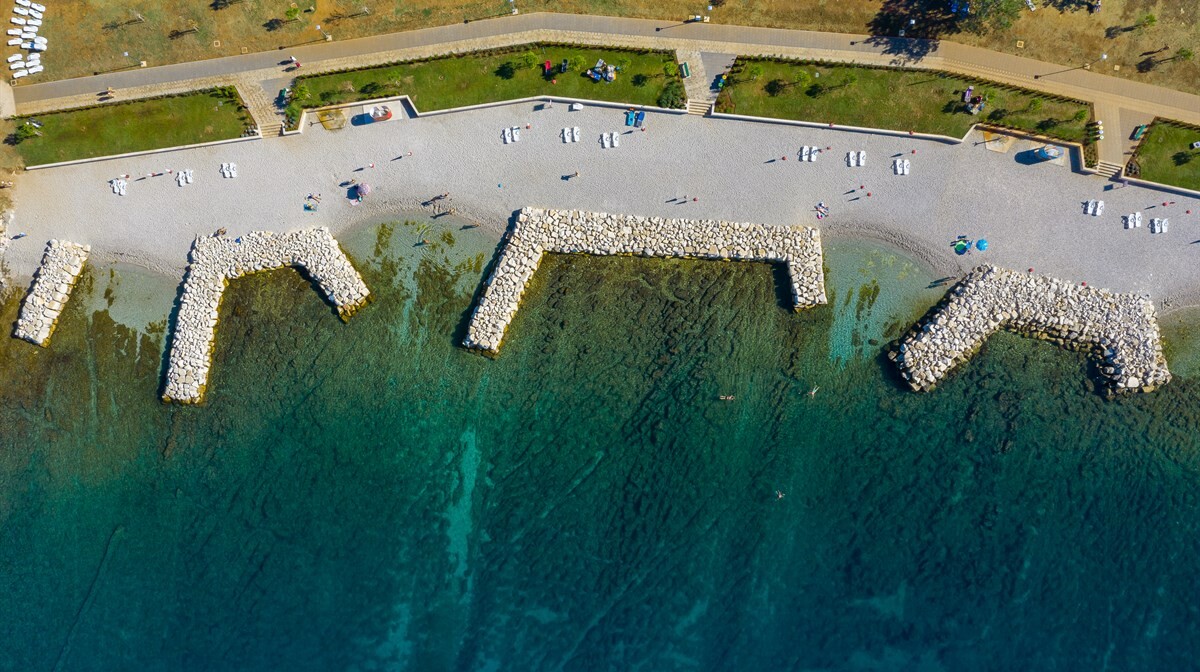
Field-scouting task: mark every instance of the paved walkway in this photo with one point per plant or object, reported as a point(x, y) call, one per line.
point(256, 74)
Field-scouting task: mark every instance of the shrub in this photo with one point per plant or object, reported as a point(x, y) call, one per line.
point(673, 95)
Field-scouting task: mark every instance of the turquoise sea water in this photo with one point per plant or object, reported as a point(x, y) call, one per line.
point(368, 496)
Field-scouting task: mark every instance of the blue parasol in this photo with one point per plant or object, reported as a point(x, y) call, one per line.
point(981, 245)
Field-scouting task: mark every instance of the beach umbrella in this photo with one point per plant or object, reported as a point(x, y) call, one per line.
point(981, 245)
point(962, 246)
point(364, 189)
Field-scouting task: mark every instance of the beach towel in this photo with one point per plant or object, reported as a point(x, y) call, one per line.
point(575, 134)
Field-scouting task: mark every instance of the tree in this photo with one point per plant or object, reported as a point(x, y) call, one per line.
point(1080, 115)
point(623, 63)
point(301, 92)
point(775, 87)
point(1146, 21)
point(992, 15)
point(576, 62)
point(24, 132)
point(800, 78)
point(528, 59)
point(670, 69)
point(849, 79)
point(673, 95)
point(293, 14)
point(1183, 54)
point(756, 71)
point(1035, 105)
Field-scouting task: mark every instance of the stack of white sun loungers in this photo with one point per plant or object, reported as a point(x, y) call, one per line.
point(183, 177)
point(901, 166)
point(807, 153)
point(570, 134)
point(1159, 225)
point(1133, 221)
point(229, 170)
point(118, 186)
point(856, 159)
point(511, 134)
point(609, 140)
point(28, 20)
point(1094, 208)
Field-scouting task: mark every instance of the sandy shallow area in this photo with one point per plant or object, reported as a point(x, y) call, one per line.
point(1031, 214)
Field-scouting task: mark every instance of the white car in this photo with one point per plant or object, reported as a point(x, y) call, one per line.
point(20, 73)
point(18, 20)
point(34, 13)
point(14, 41)
point(23, 3)
point(40, 39)
point(28, 35)
point(14, 58)
point(34, 5)
point(14, 31)
point(16, 66)
point(33, 46)
point(35, 69)
point(21, 10)
point(34, 22)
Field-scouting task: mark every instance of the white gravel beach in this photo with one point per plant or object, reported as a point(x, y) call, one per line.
point(682, 166)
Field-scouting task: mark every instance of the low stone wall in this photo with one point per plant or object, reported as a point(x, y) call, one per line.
point(217, 260)
point(61, 265)
point(537, 231)
point(1119, 330)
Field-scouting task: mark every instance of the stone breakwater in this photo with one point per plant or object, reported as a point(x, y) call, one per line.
point(215, 261)
point(61, 265)
point(538, 231)
point(1119, 330)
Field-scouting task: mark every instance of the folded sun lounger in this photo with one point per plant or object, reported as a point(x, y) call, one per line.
point(615, 142)
point(575, 134)
point(862, 159)
point(907, 165)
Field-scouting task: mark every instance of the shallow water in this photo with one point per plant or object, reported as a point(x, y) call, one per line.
point(368, 496)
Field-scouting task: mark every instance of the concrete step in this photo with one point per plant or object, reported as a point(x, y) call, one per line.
point(699, 107)
point(1109, 170)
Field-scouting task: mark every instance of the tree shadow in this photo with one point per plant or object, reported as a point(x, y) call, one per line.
point(924, 22)
point(1147, 64)
point(1182, 158)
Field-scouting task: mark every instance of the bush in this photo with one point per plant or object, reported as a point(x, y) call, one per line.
point(673, 95)
point(24, 132)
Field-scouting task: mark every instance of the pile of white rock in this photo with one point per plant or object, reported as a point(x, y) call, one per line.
point(537, 231)
point(1119, 330)
point(215, 261)
point(61, 265)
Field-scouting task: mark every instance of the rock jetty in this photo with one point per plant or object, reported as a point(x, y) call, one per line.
point(61, 265)
point(216, 260)
point(537, 231)
point(1119, 330)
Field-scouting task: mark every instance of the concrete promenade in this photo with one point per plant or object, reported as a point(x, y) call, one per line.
point(1120, 103)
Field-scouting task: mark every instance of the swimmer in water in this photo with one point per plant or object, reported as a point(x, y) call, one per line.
point(779, 494)
point(813, 392)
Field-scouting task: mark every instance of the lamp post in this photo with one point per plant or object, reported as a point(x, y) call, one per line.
point(1085, 66)
point(324, 34)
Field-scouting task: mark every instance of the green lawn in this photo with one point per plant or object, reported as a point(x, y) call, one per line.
point(105, 130)
point(483, 78)
point(905, 100)
point(1166, 155)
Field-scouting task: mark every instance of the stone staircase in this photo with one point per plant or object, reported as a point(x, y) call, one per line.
point(266, 116)
point(1109, 170)
point(698, 107)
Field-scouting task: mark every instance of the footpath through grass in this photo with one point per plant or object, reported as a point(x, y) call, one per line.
point(1166, 155)
point(484, 77)
point(903, 100)
point(117, 128)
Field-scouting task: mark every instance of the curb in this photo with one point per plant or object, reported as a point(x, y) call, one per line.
point(147, 152)
point(407, 102)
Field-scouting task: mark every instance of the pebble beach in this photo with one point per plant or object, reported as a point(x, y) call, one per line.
point(680, 167)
